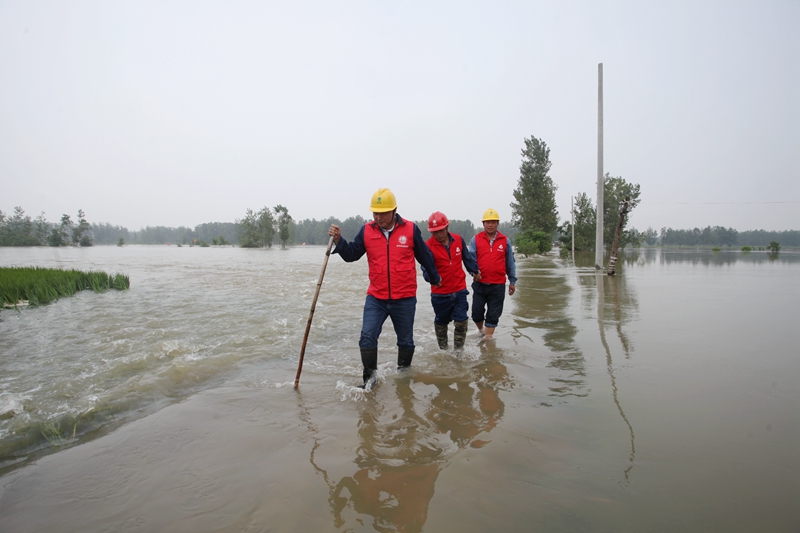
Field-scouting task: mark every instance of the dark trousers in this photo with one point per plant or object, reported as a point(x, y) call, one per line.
point(377, 311)
point(487, 303)
point(447, 307)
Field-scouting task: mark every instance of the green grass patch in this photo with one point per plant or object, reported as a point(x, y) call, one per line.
point(40, 286)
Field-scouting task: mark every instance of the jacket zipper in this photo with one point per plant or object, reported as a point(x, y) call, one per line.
point(388, 266)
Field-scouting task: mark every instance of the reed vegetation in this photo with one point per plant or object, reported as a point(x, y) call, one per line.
point(40, 286)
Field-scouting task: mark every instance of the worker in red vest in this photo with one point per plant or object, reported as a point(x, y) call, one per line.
point(496, 263)
point(449, 299)
point(391, 243)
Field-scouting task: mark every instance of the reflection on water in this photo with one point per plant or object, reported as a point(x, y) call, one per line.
point(611, 299)
point(543, 303)
point(681, 366)
point(695, 256)
point(84, 365)
point(616, 317)
point(406, 440)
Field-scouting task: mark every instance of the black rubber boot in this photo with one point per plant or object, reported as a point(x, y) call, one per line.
point(369, 358)
point(441, 335)
point(460, 334)
point(404, 356)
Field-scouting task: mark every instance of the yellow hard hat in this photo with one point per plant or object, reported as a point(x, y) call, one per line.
point(382, 201)
point(490, 214)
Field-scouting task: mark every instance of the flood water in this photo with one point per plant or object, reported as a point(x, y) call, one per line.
point(666, 398)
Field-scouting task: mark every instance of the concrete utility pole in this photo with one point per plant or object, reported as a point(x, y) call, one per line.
point(598, 242)
point(572, 207)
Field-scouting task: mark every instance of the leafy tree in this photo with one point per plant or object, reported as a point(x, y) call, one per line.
point(318, 231)
point(708, 236)
point(650, 236)
point(22, 228)
point(56, 238)
point(529, 242)
point(465, 228)
point(18, 230)
point(266, 227)
point(313, 231)
point(250, 236)
point(349, 226)
point(207, 231)
point(258, 229)
point(762, 237)
point(506, 228)
point(774, 247)
point(727, 236)
point(585, 224)
point(636, 238)
point(66, 227)
point(77, 230)
point(283, 221)
point(120, 242)
point(81, 234)
point(164, 235)
point(60, 236)
point(615, 190)
point(105, 233)
point(535, 195)
point(42, 228)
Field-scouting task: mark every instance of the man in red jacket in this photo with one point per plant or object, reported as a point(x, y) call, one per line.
point(496, 262)
point(449, 299)
point(391, 244)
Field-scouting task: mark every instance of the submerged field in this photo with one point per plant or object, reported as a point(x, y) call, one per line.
point(662, 399)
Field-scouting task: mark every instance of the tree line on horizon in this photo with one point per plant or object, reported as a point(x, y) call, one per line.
point(21, 230)
point(533, 227)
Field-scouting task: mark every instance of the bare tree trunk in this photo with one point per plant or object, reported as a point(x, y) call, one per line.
point(612, 263)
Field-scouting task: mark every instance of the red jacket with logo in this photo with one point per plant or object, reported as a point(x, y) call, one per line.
point(491, 258)
point(392, 271)
point(448, 265)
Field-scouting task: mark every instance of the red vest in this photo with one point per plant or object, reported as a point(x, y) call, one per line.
point(448, 265)
point(392, 272)
point(492, 258)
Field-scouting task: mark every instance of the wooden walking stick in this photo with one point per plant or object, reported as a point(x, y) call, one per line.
point(311, 314)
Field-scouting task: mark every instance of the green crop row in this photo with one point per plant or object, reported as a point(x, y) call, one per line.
point(39, 286)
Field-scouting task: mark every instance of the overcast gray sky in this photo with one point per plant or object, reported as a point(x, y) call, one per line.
point(178, 113)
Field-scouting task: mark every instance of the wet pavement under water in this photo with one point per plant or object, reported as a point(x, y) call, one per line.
point(666, 398)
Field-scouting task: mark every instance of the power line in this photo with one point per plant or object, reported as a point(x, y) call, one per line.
point(720, 203)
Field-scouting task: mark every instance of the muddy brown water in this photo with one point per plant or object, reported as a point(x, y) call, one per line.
point(666, 398)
